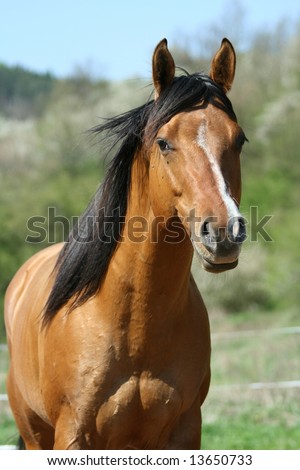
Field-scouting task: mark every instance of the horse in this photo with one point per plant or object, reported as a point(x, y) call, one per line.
point(108, 334)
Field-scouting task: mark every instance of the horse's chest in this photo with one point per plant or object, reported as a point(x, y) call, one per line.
point(140, 407)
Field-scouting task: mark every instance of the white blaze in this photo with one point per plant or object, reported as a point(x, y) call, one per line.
point(229, 203)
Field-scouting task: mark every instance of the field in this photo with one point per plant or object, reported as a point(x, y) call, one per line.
point(266, 416)
point(236, 416)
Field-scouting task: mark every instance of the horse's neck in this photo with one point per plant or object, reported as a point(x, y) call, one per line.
point(147, 287)
point(153, 273)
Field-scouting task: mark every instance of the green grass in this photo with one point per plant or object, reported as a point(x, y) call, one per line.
point(8, 430)
point(244, 432)
point(240, 418)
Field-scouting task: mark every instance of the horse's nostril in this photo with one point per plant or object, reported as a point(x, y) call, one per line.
point(209, 237)
point(212, 234)
point(205, 229)
point(238, 230)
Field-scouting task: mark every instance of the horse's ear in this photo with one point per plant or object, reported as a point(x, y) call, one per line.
point(163, 67)
point(223, 66)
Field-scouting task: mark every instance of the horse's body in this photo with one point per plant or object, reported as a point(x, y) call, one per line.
point(126, 365)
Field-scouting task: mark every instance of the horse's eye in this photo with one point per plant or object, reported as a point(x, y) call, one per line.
point(163, 145)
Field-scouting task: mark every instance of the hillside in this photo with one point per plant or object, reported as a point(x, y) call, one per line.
point(23, 93)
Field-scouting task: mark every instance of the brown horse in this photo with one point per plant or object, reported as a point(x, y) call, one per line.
point(108, 334)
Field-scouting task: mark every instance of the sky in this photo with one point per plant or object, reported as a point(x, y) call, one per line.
point(115, 39)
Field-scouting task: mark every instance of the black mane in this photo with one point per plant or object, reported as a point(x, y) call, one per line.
point(85, 257)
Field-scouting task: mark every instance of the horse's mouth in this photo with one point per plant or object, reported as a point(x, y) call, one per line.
point(211, 266)
point(218, 267)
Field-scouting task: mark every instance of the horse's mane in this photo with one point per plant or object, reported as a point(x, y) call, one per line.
point(85, 257)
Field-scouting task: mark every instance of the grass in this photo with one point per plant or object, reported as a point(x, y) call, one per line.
point(8, 430)
point(257, 419)
point(243, 433)
point(241, 418)
point(238, 417)
point(251, 419)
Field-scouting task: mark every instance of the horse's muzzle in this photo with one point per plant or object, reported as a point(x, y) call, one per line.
point(220, 246)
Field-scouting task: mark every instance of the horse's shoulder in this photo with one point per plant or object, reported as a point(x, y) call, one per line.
point(34, 267)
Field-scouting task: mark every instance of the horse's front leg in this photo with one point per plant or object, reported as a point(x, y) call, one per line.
point(187, 434)
point(34, 432)
point(70, 432)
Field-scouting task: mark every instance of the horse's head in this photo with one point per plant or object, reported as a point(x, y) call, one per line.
point(195, 157)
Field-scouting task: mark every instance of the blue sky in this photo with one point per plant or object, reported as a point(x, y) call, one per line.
point(114, 38)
